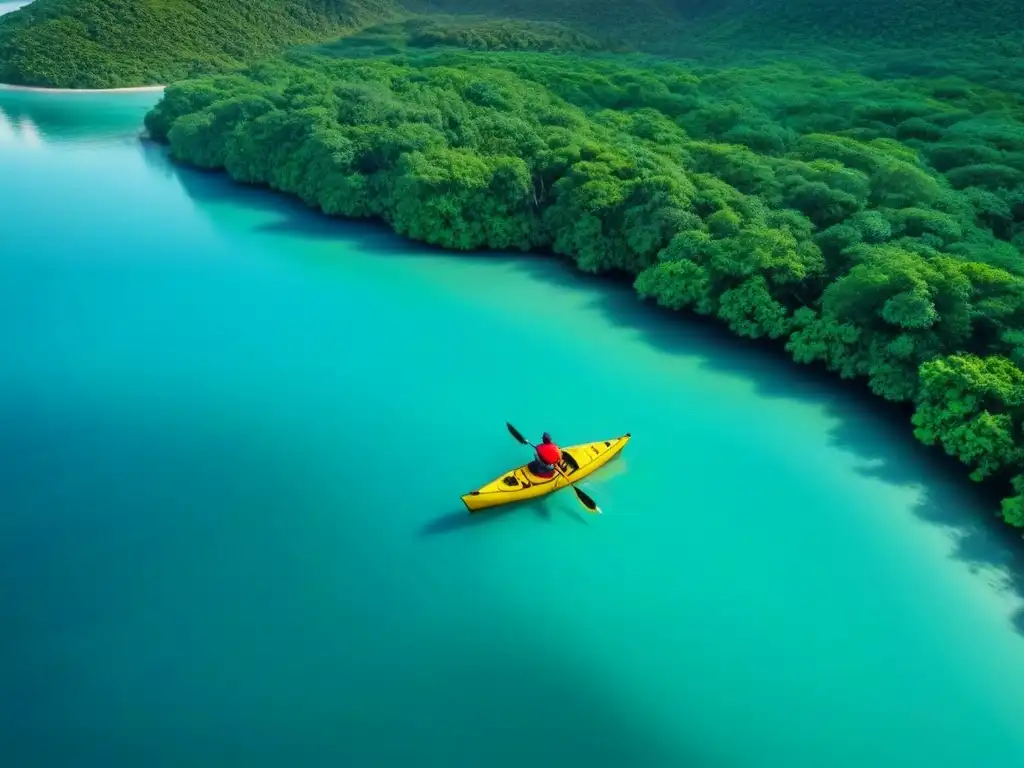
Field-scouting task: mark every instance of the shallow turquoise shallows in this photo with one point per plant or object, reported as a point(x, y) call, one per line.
point(234, 436)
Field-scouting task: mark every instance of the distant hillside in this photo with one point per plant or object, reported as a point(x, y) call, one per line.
point(768, 23)
point(494, 34)
point(112, 43)
point(108, 43)
point(592, 16)
point(913, 23)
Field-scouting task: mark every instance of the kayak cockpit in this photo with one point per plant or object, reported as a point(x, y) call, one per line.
point(520, 484)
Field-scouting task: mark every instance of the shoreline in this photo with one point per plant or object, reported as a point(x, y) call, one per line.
point(40, 89)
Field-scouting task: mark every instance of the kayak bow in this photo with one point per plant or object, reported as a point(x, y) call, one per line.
point(520, 484)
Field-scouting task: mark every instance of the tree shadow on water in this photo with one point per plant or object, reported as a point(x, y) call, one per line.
point(286, 216)
point(282, 214)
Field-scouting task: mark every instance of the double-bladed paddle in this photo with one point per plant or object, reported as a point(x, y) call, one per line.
point(584, 498)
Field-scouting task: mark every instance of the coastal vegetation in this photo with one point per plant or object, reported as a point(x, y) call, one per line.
point(871, 227)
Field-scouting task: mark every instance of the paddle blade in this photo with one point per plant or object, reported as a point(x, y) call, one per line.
point(586, 501)
point(516, 434)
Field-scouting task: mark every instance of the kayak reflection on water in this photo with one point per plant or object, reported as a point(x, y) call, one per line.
point(548, 457)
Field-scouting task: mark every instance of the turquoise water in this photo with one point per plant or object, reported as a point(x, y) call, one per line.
point(233, 439)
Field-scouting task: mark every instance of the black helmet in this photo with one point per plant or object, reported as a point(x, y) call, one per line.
point(546, 437)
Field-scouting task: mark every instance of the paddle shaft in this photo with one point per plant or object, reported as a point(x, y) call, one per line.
point(584, 498)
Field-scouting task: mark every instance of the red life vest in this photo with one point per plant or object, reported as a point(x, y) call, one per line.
point(549, 453)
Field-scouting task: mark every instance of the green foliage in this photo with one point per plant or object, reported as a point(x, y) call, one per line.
point(999, 22)
point(972, 406)
point(499, 35)
point(594, 17)
point(108, 43)
point(866, 225)
point(1013, 507)
point(117, 43)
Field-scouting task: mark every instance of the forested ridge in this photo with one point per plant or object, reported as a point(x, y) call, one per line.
point(871, 227)
point(112, 43)
point(835, 22)
point(117, 43)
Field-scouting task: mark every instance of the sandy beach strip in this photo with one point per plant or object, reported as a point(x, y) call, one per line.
point(34, 89)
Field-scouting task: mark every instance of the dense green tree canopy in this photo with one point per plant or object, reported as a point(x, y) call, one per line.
point(895, 22)
point(116, 43)
point(108, 43)
point(873, 227)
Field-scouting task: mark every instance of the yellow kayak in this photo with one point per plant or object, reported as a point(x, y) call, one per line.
point(520, 484)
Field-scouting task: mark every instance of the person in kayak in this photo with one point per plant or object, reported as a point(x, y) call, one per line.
point(548, 455)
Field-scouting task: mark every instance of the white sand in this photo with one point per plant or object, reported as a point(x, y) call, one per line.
point(7, 7)
point(139, 89)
